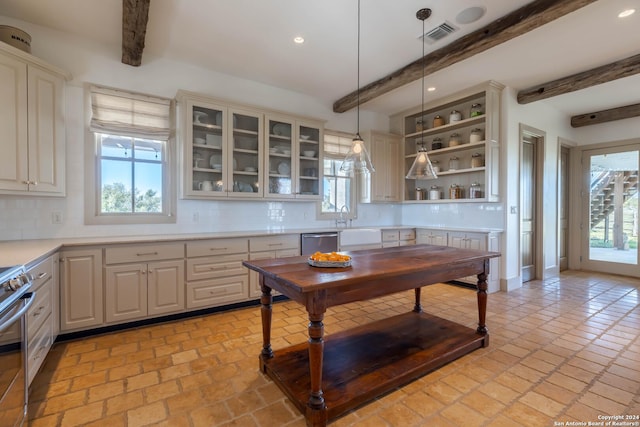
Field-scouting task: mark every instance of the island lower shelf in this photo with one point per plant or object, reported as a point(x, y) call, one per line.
point(365, 362)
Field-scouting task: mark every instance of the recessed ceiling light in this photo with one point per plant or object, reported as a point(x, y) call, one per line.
point(470, 14)
point(626, 13)
point(298, 39)
point(431, 89)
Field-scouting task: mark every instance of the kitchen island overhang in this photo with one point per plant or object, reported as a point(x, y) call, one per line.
point(325, 379)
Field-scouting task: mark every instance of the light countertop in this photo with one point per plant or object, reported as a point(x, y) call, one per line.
point(28, 252)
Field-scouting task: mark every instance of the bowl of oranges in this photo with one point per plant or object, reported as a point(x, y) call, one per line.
point(329, 259)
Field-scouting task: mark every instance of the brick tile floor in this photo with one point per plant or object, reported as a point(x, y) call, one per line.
point(562, 350)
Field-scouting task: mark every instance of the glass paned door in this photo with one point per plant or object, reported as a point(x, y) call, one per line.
point(279, 156)
point(612, 210)
point(246, 157)
point(207, 149)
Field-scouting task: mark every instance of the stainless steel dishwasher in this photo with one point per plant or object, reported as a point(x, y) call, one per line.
point(318, 242)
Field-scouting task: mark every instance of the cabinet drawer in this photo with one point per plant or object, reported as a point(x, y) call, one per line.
point(216, 246)
point(274, 243)
point(390, 235)
point(38, 348)
point(41, 273)
point(409, 234)
point(215, 266)
point(406, 242)
point(213, 292)
point(392, 244)
point(147, 252)
point(40, 309)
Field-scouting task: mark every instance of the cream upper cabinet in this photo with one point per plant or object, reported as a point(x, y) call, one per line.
point(293, 157)
point(233, 151)
point(32, 128)
point(385, 184)
point(460, 134)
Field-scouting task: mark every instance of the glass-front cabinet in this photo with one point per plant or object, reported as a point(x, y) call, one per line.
point(246, 155)
point(229, 151)
point(293, 156)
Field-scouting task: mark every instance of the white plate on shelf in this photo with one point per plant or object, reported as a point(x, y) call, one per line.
point(215, 160)
point(284, 168)
point(280, 129)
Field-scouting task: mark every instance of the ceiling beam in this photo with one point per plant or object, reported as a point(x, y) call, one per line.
point(603, 74)
point(135, 14)
point(521, 21)
point(603, 116)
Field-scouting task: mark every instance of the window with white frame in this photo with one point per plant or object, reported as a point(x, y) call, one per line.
point(129, 180)
point(339, 189)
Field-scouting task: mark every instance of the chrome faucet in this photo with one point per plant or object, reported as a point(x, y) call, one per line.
point(343, 219)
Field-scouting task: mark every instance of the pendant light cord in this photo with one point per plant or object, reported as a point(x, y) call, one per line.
point(358, 91)
point(422, 114)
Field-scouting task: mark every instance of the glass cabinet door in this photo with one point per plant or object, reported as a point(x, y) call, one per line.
point(279, 154)
point(309, 158)
point(208, 157)
point(246, 155)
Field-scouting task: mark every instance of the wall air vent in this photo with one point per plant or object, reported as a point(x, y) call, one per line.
point(439, 32)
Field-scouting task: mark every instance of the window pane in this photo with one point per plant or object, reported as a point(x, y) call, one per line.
point(148, 150)
point(115, 146)
point(328, 198)
point(148, 181)
point(116, 186)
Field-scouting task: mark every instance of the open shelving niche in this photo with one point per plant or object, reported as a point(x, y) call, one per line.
point(488, 95)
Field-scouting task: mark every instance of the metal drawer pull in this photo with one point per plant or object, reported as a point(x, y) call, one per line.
point(218, 249)
point(218, 292)
point(147, 253)
point(224, 267)
point(275, 244)
point(41, 275)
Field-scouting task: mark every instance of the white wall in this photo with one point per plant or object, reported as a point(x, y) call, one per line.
point(30, 217)
point(555, 125)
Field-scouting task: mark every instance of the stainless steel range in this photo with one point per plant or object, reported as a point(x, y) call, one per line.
point(15, 300)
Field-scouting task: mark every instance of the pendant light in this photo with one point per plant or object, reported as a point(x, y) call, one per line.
point(357, 158)
point(422, 167)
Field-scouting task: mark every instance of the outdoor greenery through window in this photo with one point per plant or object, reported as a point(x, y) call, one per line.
point(129, 178)
point(338, 187)
point(131, 172)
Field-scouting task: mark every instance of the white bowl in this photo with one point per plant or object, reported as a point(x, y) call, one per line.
point(305, 136)
point(309, 153)
point(200, 141)
point(250, 169)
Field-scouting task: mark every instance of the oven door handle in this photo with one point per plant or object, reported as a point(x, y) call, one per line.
point(30, 296)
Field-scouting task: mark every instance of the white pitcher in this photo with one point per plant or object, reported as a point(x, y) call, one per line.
point(205, 186)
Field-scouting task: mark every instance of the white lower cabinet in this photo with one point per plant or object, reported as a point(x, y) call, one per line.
point(400, 237)
point(42, 316)
point(270, 247)
point(134, 291)
point(81, 290)
point(431, 237)
point(484, 241)
point(215, 274)
point(143, 289)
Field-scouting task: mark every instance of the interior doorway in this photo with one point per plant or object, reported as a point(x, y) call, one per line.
point(610, 210)
point(563, 208)
point(531, 167)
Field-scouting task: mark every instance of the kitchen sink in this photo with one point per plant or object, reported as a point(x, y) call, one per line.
point(360, 236)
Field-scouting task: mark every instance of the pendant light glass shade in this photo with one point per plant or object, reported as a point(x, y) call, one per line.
point(357, 159)
point(422, 167)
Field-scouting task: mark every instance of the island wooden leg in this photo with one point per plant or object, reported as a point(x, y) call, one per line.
point(482, 306)
point(316, 409)
point(418, 306)
point(266, 300)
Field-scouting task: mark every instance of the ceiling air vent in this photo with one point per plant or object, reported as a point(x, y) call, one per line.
point(439, 32)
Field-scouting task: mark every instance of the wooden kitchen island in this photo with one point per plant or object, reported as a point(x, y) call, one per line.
point(326, 379)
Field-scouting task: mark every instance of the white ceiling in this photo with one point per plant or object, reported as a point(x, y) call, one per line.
point(253, 39)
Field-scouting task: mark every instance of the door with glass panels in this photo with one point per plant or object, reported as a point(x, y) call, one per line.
point(610, 214)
